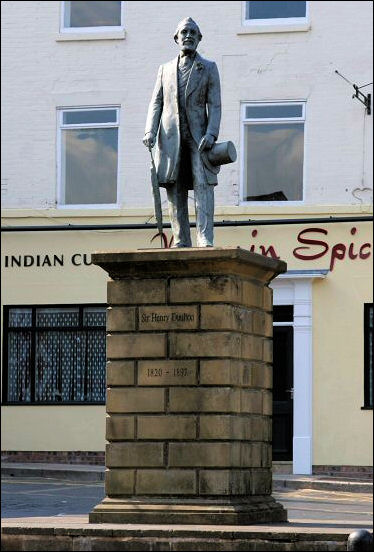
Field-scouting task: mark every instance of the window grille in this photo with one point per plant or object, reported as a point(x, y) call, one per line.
point(54, 355)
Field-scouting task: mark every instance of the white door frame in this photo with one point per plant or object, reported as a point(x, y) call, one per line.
point(295, 288)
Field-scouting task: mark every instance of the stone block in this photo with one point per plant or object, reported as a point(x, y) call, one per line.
point(256, 455)
point(261, 482)
point(225, 482)
point(134, 455)
point(268, 325)
point(252, 294)
point(167, 427)
point(167, 372)
point(165, 482)
point(205, 290)
point(268, 350)
point(225, 427)
point(119, 428)
point(121, 319)
point(262, 375)
point(211, 399)
point(168, 317)
point(252, 347)
point(266, 455)
point(134, 291)
point(262, 323)
point(268, 299)
point(258, 428)
point(268, 429)
point(120, 372)
point(226, 317)
point(267, 403)
point(213, 455)
point(251, 401)
point(119, 482)
point(136, 345)
point(225, 372)
point(206, 344)
point(133, 399)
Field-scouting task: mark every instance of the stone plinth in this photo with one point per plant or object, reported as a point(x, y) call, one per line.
point(189, 379)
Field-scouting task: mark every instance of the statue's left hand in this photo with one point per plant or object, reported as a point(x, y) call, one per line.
point(206, 142)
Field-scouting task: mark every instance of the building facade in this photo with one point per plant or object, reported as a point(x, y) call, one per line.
point(78, 77)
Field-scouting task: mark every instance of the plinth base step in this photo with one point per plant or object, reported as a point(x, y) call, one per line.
point(247, 511)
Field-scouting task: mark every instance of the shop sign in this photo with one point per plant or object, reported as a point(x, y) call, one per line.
point(310, 244)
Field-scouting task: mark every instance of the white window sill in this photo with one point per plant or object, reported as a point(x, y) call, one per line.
point(283, 28)
point(100, 35)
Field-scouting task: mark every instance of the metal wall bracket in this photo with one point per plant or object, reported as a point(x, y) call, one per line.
point(365, 100)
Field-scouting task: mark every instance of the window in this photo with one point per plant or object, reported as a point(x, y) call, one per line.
point(273, 151)
point(275, 12)
point(91, 16)
point(54, 355)
point(88, 157)
point(368, 355)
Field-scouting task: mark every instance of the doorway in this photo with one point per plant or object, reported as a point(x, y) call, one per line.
point(283, 383)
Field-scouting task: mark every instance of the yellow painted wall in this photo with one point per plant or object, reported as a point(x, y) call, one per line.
point(53, 428)
point(341, 430)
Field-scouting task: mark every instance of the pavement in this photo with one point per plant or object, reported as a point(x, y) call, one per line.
point(38, 507)
point(84, 472)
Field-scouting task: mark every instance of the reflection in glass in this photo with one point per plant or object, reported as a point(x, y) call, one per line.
point(89, 166)
point(93, 116)
point(274, 156)
point(92, 14)
point(275, 10)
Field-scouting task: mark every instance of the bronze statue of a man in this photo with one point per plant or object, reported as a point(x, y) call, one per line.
point(185, 111)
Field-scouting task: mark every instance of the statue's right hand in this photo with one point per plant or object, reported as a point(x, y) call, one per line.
point(149, 140)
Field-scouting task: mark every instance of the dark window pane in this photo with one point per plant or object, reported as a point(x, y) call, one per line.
point(89, 166)
point(57, 317)
point(92, 14)
point(19, 367)
point(60, 364)
point(283, 313)
point(275, 10)
point(89, 117)
point(20, 318)
point(70, 366)
point(273, 111)
point(274, 158)
point(94, 316)
point(94, 375)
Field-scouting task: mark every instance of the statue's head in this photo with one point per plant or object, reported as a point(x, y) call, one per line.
point(187, 35)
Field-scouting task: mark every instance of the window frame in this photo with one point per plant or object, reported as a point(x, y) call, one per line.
point(33, 330)
point(367, 331)
point(101, 29)
point(60, 127)
point(277, 22)
point(247, 121)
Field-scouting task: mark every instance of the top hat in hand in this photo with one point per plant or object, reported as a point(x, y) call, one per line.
point(220, 153)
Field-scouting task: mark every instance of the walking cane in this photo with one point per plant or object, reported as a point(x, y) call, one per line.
point(156, 197)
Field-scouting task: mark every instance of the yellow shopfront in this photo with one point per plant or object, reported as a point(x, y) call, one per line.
point(322, 309)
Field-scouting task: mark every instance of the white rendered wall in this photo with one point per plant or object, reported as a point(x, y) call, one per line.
point(42, 72)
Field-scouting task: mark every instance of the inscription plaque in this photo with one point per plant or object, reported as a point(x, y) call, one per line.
point(167, 372)
point(168, 318)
